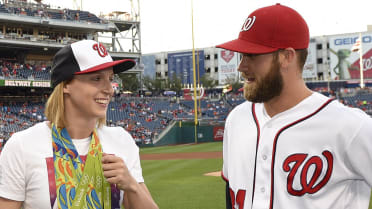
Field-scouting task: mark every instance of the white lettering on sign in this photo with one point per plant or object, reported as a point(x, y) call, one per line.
point(17, 83)
point(41, 84)
point(27, 83)
point(228, 68)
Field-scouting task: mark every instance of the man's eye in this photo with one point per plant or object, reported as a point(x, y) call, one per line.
point(251, 55)
point(96, 78)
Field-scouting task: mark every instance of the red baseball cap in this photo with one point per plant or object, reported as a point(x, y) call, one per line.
point(269, 29)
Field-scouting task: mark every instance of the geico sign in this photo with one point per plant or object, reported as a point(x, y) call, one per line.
point(352, 40)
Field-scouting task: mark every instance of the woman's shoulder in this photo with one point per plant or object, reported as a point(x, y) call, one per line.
point(34, 132)
point(36, 137)
point(116, 140)
point(115, 130)
point(116, 133)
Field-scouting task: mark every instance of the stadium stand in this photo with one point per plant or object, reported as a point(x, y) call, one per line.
point(14, 70)
point(44, 11)
point(32, 32)
point(145, 118)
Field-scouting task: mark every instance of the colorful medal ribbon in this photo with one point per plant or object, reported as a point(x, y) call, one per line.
point(78, 185)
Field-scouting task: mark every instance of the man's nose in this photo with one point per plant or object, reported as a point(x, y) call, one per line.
point(243, 65)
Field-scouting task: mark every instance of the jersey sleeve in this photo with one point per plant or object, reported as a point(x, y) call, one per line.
point(12, 170)
point(359, 152)
point(224, 172)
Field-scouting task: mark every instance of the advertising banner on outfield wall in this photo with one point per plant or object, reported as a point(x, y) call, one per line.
point(24, 83)
point(227, 66)
point(310, 69)
point(149, 64)
point(218, 133)
point(344, 64)
point(181, 65)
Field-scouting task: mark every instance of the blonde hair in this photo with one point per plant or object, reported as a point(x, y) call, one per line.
point(55, 107)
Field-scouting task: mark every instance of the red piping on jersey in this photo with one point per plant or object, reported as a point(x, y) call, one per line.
point(223, 177)
point(258, 140)
point(276, 140)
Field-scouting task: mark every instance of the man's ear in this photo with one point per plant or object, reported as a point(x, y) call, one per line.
point(286, 57)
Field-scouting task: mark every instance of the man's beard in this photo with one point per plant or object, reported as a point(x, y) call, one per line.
point(265, 89)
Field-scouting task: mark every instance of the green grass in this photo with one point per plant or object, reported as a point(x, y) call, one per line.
point(180, 184)
point(203, 147)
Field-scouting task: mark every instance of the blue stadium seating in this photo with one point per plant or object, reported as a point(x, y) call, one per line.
point(145, 117)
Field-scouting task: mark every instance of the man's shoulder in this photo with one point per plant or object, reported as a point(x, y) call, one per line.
point(346, 116)
point(243, 107)
point(240, 110)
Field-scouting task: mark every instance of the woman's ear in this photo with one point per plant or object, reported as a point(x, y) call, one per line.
point(66, 88)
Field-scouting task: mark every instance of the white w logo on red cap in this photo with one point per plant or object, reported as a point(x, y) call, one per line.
point(248, 23)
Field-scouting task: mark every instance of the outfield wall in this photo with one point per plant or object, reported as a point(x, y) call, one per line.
point(184, 133)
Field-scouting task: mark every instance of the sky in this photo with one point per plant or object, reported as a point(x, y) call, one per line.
point(166, 25)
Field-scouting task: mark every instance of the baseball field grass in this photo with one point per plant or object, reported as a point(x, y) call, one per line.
point(203, 147)
point(180, 183)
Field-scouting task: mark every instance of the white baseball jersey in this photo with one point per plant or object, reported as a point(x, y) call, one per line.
point(316, 155)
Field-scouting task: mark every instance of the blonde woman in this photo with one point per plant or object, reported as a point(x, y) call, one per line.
point(73, 160)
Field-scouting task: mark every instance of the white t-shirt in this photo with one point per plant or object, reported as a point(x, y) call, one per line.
point(26, 163)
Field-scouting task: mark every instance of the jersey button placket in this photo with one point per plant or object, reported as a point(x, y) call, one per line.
point(264, 157)
point(263, 168)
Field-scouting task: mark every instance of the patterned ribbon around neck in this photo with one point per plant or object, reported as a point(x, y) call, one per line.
point(79, 186)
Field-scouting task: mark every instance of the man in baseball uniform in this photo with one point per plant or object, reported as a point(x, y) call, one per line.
point(288, 147)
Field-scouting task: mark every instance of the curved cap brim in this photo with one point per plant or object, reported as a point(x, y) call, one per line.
point(243, 46)
point(118, 66)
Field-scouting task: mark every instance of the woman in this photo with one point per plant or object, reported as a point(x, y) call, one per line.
point(74, 160)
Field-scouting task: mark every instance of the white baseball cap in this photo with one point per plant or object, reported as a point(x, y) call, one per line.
point(84, 57)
